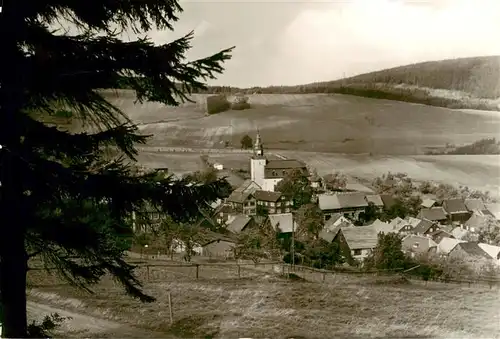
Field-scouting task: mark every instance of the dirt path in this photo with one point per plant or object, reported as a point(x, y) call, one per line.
point(81, 325)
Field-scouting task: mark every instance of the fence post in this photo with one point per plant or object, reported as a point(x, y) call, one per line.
point(324, 276)
point(283, 269)
point(147, 273)
point(197, 270)
point(170, 308)
point(239, 274)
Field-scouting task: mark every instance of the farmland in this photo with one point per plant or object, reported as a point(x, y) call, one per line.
point(312, 122)
point(265, 305)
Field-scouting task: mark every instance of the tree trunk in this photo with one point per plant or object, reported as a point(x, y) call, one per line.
point(13, 267)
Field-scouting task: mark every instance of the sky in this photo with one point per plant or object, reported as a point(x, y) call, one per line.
point(298, 42)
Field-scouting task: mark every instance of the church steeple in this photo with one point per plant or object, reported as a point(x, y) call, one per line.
point(258, 148)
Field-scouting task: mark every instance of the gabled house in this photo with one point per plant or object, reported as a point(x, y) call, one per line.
point(416, 244)
point(428, 203)
point(336, 220)
point(347, 204)
point(283, 223)
point(460, 233)
point(223, 213)
point(382, 227)
point(435, 214)
point(456, 210)
point(446, 245)
point(242, 202)
point(271, 202)
point(439, 235)
point(248, 186)
point(470, 252)
point(478, 222)
point(493, 251)
point(494, 210)
point(401, 226)
point(425, 228)
point(356, 243)
point(240, 223)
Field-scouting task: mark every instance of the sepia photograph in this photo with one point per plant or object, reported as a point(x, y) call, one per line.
point(250, 169)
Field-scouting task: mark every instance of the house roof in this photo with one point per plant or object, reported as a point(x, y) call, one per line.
point(248, 185)
point(388, 200)
point(453, 206)
point(239, 223)
point(382, 227)
point(283, 220)
point(267, 196)
point(446, 245)
point(285, 164)
point(473, 249)
point(358, 187)
point(433, 213)
point(360, 237)
point(478, 221)
point(474, 204)
point(238, 197)
point(337, 220)
point(424, 243)
point(428, 203)
point(397, 224)
point(422, 227)
point(493, 251)
point(459, 233)
point(375, 199)
point(327, 236)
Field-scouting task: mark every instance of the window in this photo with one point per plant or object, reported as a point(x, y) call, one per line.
point(274, 173)
point(431, 229)
point(357, 252)
point(284, 173)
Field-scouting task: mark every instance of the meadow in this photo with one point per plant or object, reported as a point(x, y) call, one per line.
point(260, 304)
point(311, 122)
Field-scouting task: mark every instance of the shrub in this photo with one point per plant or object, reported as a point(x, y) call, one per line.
point(217, 104)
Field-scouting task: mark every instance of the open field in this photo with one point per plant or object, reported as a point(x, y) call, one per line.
point(312, 122)
point(481, 172)
point(263, 305)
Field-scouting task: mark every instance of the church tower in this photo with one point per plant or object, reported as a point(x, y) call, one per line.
point(258, 162)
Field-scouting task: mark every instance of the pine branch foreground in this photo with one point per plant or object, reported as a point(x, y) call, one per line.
point(62, 197)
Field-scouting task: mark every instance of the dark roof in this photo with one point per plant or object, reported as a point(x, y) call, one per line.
point(238, 197)
point(455, 206)
point(473, 249)
point(239, 223)
point(328, 236)
point(433, 213)
point(422, 227)
point(388, 200)
point(267, 196)
point(285, 164)
point(349, 200)
point(360, 237)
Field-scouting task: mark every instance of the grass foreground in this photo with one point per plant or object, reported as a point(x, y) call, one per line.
point(260, 304)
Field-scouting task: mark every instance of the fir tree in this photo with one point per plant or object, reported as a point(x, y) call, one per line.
point(62, 197)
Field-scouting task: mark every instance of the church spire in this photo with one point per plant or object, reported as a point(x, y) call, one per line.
point(258, 148)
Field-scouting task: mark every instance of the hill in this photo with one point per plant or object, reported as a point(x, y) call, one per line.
point(455, 83)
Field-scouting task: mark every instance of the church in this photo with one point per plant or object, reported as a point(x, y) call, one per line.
point(268, 173)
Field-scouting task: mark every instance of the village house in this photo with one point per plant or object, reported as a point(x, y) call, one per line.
point(347, 204)
point(401, 226)
point(239, 223)
point(268, 173)
point(435, 214)
point(271, 202)
point(460, 233)
point(446, 245)
point(415, 245)
point(479, 222)
point(428, 203)
point(336, 220)
point(425, 228)
point(355, 243)
point(223, 213)
point(440, 234)
point(283, 223)
point(494, 209)
point(382, 227)
point(242, 202)
point(219, 248)
point(471, 254)
point(492, 250)
point(456, 210)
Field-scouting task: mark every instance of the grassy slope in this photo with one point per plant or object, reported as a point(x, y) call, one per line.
point(455, 83)
point(312, 122)
point(261, 305)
